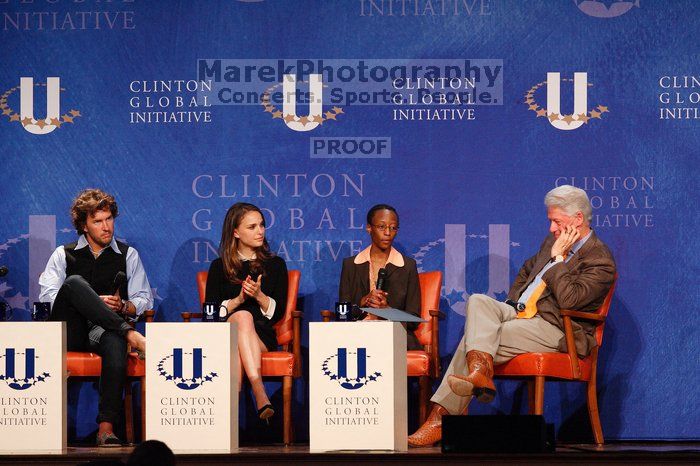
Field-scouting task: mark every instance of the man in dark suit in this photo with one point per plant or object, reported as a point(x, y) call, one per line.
point(573, 269)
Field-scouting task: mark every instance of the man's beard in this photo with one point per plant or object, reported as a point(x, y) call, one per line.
point(102, 242)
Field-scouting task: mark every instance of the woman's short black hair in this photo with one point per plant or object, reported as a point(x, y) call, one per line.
point(377, 207)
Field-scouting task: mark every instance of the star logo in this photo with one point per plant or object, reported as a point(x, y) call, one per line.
point(455, 297)
point(25, 116)
point(12, 298)
point(441, 255)
point(580, 116)
point(13, 379)
point(175, 363)
point(293, 121)
point(339, 360)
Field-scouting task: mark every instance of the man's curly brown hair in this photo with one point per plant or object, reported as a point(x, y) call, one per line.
point(86, 203)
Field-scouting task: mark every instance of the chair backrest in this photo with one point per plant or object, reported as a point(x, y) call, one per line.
point(603, 311)
point(285, 327)
point(430, 285)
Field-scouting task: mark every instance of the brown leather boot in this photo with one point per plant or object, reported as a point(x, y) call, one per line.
point(430, 432)
point(479, 382)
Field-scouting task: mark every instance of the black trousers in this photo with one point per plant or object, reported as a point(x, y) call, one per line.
point(81, 309)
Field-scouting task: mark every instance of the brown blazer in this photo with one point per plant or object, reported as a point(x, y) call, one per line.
point(403, 289)
point(580, 284)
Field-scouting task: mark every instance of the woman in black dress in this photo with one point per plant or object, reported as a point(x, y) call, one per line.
point(250, 282)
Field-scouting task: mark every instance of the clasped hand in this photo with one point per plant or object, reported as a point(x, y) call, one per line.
point(376, 299)
point(249, 289)
point(252, 288)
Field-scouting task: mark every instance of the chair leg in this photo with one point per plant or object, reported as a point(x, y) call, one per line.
point(531, 397)
point(143, 409)
point(593, 412)
point(129, 411)
point(539, 395)
point(287, 400)
point(424, 393)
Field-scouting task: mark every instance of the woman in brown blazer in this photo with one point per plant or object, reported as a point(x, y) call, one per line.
point(358, 278)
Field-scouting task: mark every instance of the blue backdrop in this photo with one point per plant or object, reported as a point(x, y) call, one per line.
point(176, 107)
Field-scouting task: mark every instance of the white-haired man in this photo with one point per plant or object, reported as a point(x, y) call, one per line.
point(573, 269)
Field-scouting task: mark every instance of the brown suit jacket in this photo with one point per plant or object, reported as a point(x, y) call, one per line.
point(403, 288)
point(580, 284)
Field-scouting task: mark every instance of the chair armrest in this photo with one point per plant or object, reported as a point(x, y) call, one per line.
point(327, 315)
point(434, 348)
point(146, 316)
point(296, 345)
point(188, 316)
point(582, 315)
point(567, 315)
point(571, 348)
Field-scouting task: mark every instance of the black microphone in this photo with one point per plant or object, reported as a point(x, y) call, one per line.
point(381, 279)
point(517, 306)
point(119, 280)
point(3, 271)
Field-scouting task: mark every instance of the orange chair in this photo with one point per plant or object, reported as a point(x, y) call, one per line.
point(89, 365)
point(425, 363)
point(538, 367)
point(286, 363)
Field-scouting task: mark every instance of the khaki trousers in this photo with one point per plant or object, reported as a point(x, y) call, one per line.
point(492, 327)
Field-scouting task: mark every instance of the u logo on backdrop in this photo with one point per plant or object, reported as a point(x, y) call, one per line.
point(25, 117)
point(580, 116)
point(11, 374)
point(342, 374)
point(600, 9)
point(314, 97)
point(176, 372)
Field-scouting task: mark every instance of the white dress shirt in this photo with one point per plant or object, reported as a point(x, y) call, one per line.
point(138, 288)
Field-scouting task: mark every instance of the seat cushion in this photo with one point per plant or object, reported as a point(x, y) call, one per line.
point(81, 364)
point(418, 363)
point(543, 364)
point(277, 363)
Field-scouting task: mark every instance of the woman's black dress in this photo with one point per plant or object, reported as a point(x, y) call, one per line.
point(274, 285)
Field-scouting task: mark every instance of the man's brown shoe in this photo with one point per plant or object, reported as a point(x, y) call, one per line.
point(430, 432)
point(479, 382)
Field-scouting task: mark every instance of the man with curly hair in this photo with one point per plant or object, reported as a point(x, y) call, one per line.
point(79, 282)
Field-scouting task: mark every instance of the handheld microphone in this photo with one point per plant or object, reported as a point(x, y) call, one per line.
point(119, 280)
point(3, 271)
point(517, 306)
point(381, 279)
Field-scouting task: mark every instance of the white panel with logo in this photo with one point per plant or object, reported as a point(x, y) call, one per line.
point(357, 376)
point(192, 386)
point(33, 387)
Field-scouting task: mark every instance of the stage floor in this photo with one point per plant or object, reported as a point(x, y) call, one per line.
point(614, 453)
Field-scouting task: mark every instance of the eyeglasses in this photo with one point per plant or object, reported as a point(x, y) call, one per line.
point(383, 228)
